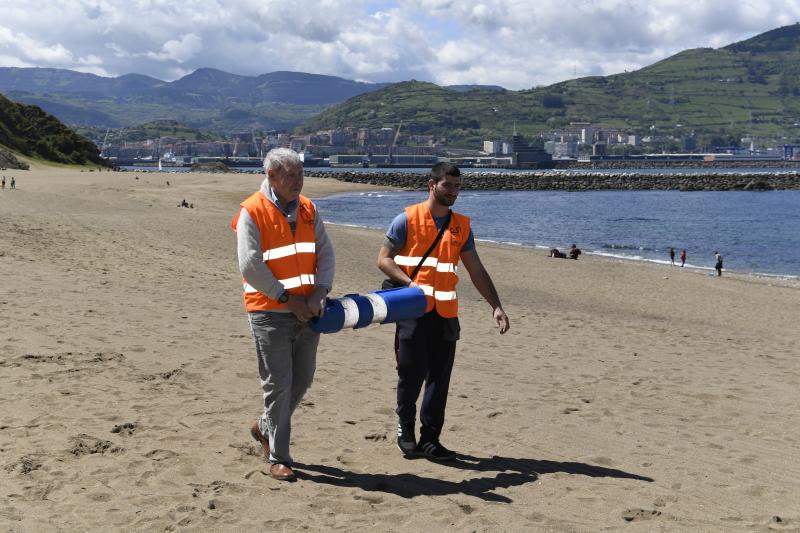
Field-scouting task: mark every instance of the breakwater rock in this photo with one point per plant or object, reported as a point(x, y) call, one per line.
point(578, 181)
point(651, 163)
point(215, 167)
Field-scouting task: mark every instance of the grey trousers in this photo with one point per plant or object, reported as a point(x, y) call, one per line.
point(287, 355)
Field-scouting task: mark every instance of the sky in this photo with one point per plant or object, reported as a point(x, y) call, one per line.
point(517, 44)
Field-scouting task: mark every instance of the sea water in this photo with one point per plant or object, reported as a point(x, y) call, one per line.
point(756, 232)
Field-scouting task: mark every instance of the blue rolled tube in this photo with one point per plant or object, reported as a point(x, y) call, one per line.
point(365, 312)
point(332, 320)
point(384, 306)
point(404, 303)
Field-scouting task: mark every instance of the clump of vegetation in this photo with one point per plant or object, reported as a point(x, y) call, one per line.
point(32, 132)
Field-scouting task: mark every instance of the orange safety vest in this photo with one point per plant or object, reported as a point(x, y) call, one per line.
point(437, 277)
point(292, 259)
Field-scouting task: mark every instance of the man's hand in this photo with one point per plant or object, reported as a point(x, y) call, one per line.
point(299, 308)
point(316, 302)
point(502, 319)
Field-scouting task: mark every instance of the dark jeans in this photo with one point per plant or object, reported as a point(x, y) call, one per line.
point(425, 350)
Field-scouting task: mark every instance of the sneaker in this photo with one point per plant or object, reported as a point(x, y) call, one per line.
point(434, 450)
point(406, 442)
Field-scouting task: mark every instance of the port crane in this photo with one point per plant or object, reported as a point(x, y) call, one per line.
point(105, 142)
point(394, 141)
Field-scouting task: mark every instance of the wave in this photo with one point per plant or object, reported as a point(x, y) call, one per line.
point(614, 246)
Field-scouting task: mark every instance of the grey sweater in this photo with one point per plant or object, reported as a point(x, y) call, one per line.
point(251, 258)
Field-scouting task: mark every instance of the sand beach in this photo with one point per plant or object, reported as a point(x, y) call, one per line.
point(626, 397)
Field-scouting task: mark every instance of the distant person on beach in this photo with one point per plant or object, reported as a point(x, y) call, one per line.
point(13, 183)
point(554, 252)
point(672, 256)
point(718, 263)
point(4, 182)
point(574, 252)
point(683, 257)
point(425, 348)
point(287, 262)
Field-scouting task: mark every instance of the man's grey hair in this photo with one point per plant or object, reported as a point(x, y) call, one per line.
point(281, 158)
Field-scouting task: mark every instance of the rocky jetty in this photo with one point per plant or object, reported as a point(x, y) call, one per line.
point(673, 164)
point(573, 180)
point(211, 167)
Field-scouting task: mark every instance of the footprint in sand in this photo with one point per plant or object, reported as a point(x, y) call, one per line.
point(160, 455)
point(632, 515)
point(369, 498)
point(165, 376)
point(25, 465)
point(126, 428)
point(88, 445)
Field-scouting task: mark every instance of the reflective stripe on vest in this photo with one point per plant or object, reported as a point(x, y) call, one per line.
point(290, 249)
point(291, 257)
point(437, 277)
point(289, 283)
point(405, 260)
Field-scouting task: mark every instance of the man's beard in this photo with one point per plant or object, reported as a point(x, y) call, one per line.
point(442, 199)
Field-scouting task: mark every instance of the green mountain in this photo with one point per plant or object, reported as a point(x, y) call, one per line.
point(149, 130)
point(207, 99)
point(30, 131)
point(748, 88)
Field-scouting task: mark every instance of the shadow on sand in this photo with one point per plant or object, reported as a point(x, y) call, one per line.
point(511, 472)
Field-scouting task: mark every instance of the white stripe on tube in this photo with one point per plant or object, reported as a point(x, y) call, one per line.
point(379, 310)
point(350, 312)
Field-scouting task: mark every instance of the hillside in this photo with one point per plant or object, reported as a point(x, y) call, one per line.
point(747, 88)
point(152, 130)
point(32, 132)
point(207, 99)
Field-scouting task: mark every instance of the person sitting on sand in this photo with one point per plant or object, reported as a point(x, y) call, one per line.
point(554, 252)
point(574, 252)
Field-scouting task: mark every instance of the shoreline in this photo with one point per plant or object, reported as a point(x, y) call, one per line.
point(784, 280)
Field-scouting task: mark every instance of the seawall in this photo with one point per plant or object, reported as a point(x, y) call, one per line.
point(577, 181)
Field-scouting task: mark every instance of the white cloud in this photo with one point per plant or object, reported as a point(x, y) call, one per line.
point(514, 43)
point(178, 50)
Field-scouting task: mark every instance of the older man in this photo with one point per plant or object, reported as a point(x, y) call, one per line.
point(287, 263)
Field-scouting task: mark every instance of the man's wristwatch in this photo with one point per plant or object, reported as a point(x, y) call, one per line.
point(283, 298)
